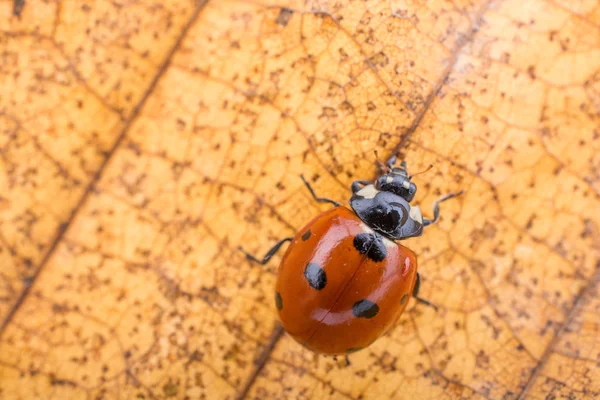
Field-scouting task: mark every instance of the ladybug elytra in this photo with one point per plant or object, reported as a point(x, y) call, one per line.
point(344, 281)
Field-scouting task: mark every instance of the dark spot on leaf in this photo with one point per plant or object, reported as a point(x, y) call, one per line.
point(379, 59)
point(170, 389)
point(328, 112)
point(284, 16)
point(18, 6)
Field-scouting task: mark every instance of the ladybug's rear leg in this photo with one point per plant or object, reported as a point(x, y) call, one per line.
point(269, 254)
point(436, 208)
point(416, 294)
point(319, 199)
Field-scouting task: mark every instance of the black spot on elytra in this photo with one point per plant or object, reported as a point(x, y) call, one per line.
point(284, 16)
point(372, 245)
point(315, 275)
point(365, 309)
point(278, 301)
point(404, 299)
point(306, 235)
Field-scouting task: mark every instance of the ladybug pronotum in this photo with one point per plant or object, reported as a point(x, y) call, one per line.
point(344, 281)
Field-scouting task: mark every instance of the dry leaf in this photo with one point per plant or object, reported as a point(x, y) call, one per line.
point(143, 142)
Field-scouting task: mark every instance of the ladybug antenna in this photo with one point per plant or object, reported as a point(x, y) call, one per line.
point(390, 163)
point(422, 172)
point(379, 163)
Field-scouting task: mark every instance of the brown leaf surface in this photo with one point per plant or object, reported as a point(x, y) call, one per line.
point(162, 136)
point(71, 76)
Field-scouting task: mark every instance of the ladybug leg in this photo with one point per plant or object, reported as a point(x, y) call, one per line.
point(347, 360)
point(357, 185)
point(269, 254)
point(436, 208)
point(319, 199)
point(416, 294)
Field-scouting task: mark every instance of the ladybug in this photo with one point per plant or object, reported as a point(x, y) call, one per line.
point(344, 281)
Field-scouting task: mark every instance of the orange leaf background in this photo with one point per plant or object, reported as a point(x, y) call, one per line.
point(141, 142)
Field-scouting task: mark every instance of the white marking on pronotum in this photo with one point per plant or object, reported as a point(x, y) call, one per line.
point(368, 192)
point(415, 214)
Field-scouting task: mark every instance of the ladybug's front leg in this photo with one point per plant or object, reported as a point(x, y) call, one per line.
point(269, 254)
point(436, 208)
point(319, 199)
point(416, 294)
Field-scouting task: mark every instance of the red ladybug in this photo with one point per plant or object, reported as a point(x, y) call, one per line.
point(344, 281)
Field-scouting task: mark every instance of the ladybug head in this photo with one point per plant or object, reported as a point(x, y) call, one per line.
point(397, 181)
point(384, 205)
